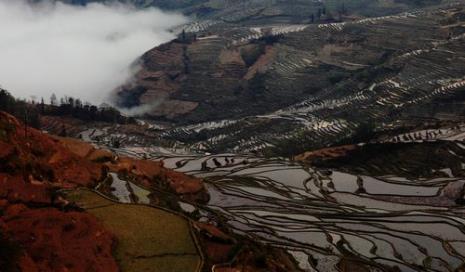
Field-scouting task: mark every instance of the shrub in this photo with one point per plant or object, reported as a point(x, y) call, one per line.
point(9, 254)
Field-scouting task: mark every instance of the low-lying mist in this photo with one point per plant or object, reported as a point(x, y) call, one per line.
point(84, 52)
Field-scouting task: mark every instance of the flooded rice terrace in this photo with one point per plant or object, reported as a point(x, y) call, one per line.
point(320, 216)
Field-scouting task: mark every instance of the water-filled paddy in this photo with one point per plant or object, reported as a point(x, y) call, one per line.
point(328, 215)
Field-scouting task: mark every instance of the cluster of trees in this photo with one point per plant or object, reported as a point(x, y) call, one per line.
point(22, 110)
point(30, 112)
point(318, 15)
point(325, 15)
point(69, 106)
point(186, 38)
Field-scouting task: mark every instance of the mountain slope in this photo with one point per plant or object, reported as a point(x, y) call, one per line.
point(305, 86)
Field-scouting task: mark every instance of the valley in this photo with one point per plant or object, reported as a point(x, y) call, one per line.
point(270, 136)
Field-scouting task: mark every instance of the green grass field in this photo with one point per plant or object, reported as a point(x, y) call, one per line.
point(149, 239)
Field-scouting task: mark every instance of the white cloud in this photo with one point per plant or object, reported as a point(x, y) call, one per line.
point(82, 52)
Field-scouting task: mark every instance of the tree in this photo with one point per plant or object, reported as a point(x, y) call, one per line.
point(53, 100)
point(26, 121)
point(42, 105)
point(185, 60)
point(183, 36)
point(78, 103)
point(6, 101)
point(20, 109)
point(71, 101)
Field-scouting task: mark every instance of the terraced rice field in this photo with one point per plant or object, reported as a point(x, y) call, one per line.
point(323, 216)
point(399, 73)
point(145, 234)
point(371, 212)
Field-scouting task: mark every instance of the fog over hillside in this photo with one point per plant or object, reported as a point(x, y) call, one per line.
point(83, 52)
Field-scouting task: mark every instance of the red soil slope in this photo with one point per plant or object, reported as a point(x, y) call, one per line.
point(33, 166)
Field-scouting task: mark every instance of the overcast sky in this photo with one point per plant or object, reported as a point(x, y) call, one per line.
point(83, 52)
